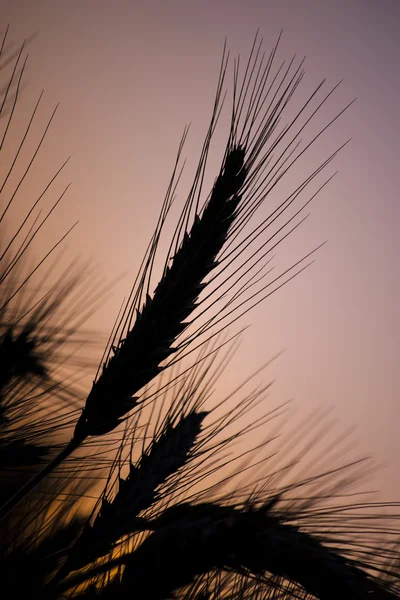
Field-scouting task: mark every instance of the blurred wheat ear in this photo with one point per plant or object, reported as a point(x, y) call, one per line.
point(165, 524)
point(43, 303)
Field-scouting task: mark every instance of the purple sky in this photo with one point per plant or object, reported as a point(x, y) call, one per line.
point(129, 76)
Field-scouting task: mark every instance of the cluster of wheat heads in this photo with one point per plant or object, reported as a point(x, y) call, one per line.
point(184, 504)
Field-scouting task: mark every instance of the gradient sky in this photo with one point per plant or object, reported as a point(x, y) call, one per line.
point(129, 76)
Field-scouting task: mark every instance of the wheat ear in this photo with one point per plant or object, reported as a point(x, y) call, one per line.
point(190, 540)
point(140, 490)
point(150, 341)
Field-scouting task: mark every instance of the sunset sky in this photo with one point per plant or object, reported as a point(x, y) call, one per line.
point(130, 75)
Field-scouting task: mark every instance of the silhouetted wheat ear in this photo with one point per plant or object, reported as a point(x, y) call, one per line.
point(139, 491)
point(191, 540)
point(19, 357)
point(163, 317)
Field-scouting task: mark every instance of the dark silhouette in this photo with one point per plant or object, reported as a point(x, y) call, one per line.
point(185, 510)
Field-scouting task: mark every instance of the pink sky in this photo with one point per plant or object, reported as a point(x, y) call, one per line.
point(129, 76)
